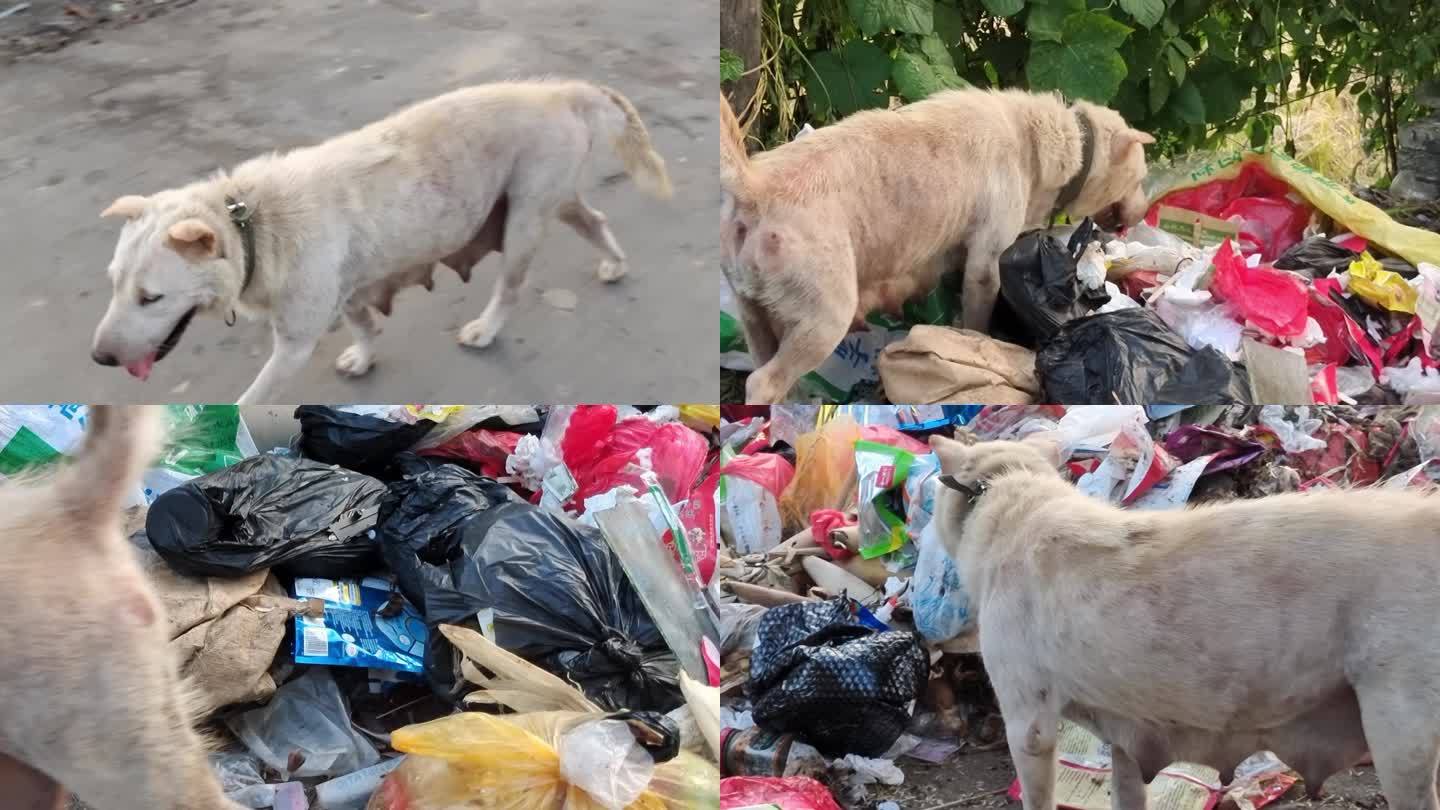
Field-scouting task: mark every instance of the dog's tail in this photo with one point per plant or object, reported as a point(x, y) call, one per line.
point(120, 442)
point(633, 147)
point(736, 176)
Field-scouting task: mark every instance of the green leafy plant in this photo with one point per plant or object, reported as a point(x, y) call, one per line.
point(1190, 71)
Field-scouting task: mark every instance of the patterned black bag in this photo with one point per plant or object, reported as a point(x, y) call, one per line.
point(846, 688)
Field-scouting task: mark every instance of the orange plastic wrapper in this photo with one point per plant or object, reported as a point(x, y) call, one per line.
point(824, 461)
point(477, 761)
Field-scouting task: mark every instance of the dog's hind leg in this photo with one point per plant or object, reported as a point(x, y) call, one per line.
point(760, 337)
point(524, 228)
point(1399, 721)
point(593, 226)
point(357, 359)
point(1127, 784)
point(1031, 732)
point(823, 318)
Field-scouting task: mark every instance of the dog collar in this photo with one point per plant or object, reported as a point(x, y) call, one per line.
point(241, 215)
point(1071, 191)
point(973, 491)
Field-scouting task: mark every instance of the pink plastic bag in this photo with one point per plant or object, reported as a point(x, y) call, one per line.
point(699, 513)
point(1268, 298)
point(789, 793)
point(769, 470)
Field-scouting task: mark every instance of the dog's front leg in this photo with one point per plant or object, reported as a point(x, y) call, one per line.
point(1127, 784)
point(288, 356)
point(357, 359)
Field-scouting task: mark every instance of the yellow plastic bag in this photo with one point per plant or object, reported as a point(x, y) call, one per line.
point(703, 418)
point(824, 461)
point(476, 761)
point(1371, 281)
point(1412, 244)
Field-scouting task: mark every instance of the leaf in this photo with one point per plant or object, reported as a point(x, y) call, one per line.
point(1159, 89)
point(1176, 63)
point(1259, 133)
point(1007, 8)
point(1047, 17)
point(1085, 63)
point(1188, 104)
point(906, 16)
point(1221, 87)
point(918, 75)
point(949, 23)
point(732, 67)
point(1145, 12)
point(839, 82)
point(1183, 47)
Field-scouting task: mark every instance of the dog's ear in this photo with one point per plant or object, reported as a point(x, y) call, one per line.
point(1048, 443)
point(192, 239)
point(1126, 138)
point(130, 206)
point(950, 453)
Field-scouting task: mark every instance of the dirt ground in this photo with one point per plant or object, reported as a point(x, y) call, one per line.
point(985, 776)
point(102, 98)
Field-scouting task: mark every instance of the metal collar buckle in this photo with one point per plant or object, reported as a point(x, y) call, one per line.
point(972, 491)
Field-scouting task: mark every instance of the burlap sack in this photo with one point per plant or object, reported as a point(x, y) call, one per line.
point(937, 364)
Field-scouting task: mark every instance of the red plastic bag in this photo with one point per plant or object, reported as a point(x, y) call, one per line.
point(699, 513)
point(483, 451)
point(1271, 221)
point(894, 438)
point(1325, 388)
point(769, 470)
point(1361, 346)
point(1268, 298)
point(789, 792)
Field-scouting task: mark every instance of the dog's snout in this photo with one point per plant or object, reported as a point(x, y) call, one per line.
point(104, 358)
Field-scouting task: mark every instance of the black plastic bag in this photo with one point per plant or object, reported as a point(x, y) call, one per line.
point(459, 543)
point(1038, 281)
point(299, 516)
point(362, 443)
point(1131, 357)
point(1316, 257)
point(844, 687)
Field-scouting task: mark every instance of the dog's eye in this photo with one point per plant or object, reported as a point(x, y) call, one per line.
point(146, 299)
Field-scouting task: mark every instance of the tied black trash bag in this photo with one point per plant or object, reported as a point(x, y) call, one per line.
point(1039, 283)
point(1316, 257)
point(366, 444)
point(1131, 357)
point(299, 516)
point(845, 688)
point(459, 543)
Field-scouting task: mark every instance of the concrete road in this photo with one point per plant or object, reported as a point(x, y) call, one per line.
point(165, 101)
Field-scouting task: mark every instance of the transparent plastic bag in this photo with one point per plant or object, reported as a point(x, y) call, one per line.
point(824, 460)
point(475, 761)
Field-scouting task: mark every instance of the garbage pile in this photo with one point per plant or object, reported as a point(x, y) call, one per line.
point(849, 647)
point(438, 606)
point(1251, 279)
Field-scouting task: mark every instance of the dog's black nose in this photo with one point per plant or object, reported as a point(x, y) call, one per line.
point(104, 358)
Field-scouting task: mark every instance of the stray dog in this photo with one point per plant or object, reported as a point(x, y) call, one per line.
point(338, 228)
point(90, 695)
point(864, 214)
point(1300, 624)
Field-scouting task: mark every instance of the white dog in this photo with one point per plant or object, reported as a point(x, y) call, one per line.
point(1301, 624)
point(338, 228)
point(91, 697)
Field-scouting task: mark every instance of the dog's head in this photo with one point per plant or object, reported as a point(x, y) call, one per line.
point(972, 465)
point(174, 259)
point(1112, 194)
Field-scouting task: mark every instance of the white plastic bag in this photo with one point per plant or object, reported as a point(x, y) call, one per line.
point(937, 596)
point(307, 715)
point(603, 759)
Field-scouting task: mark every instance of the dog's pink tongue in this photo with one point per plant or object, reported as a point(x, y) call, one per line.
point(142, 368)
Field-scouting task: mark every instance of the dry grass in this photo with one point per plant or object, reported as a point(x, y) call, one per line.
point(1329, 138)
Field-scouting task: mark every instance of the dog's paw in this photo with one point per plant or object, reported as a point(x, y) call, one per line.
point(355, 361)
point(478, 333)
point(611, 272)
